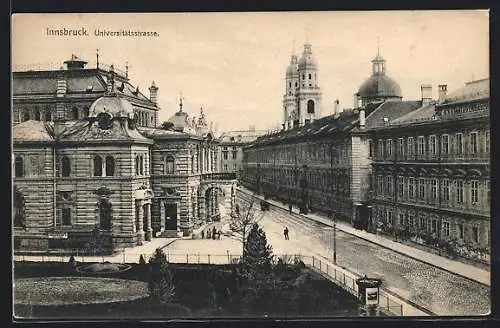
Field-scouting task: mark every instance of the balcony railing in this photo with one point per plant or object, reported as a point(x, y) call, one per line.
point(219, 176)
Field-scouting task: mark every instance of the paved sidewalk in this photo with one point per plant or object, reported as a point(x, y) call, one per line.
point(459, 268)
point(128, 255)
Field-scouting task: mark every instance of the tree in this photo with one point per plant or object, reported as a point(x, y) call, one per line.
point(160, 284)
point(244, 219)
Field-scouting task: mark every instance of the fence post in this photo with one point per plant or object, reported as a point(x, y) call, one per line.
point(387, 298)
point(198, 258)
point(208, 258)
point(335, 273)
point(319, 265)
point(313, 261)
point(401, 305)
point(228, 257)
point(123, 256)
point(187, 258)
point(327, 266)
point(344, 278)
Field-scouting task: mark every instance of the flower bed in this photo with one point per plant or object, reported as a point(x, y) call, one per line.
point(76, 290)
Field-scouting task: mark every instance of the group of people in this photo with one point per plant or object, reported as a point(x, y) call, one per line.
point(211, 234)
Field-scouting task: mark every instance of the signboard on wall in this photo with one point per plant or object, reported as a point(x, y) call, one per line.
point(371, 295)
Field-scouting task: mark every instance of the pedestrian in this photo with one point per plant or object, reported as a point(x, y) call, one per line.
point(208, 234)
point(214, 233)
point(202, 234)
point(285, 232)
point(218, 235)
point(290, 208)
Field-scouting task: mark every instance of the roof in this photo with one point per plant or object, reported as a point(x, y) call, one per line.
point(425, 113)
point(78, 81)
point(471, 91)
point(391, 110)
point(379, 85)
point(154, 133)
point(33, 131)
point(244, 136)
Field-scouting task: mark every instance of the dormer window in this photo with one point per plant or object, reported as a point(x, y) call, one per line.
point(104, 120)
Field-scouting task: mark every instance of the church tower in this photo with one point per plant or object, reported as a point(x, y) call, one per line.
point(302, 100)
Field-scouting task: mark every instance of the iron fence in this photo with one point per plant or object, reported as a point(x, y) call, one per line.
point(341, 277)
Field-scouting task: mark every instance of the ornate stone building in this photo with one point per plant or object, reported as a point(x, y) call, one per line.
point(107, 180)
point(431, 170)
point(302, 98)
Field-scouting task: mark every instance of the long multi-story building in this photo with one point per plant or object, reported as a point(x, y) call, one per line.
point(108, 176)
point(431, 170)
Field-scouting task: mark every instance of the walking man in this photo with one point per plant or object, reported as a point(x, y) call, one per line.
point(285, 232)
point(290, 208)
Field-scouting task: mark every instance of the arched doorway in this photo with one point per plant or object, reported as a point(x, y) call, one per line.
point(310, 106)
point(105, 214)
point(213, 195)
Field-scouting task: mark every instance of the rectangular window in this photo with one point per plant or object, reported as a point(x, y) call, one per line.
point(421, 189)
point(401, 148)
point(460, 231)
point(460, 191)
point(411, 188)
point(380, 149)
point(401, 187)
point(370, 148)
point(421, 222)
point(390, 218)
point(434, 189)
point(225, 167)
point(389, 147)
point(433, 145)
point(474, 197)
point(224, 155)
point(380, 185)
point(421, 145)
point(66, 216)
point(388, 185)
point(446, 190)
point(475, 234)
point(473, 143)
point(401, 219)
point(411, 219)
point(445, 148)
point(459, 146)
point(410, 146)
point(446, 228)
point(434, 225)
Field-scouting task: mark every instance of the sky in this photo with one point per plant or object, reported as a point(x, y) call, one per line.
point(233, 64)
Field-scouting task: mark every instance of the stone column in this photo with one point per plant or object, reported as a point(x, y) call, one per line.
point(163, 212)
point(202, 164)
point(140, 230)
point(149, 229)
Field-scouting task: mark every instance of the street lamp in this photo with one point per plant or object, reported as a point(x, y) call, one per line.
point(334, 240)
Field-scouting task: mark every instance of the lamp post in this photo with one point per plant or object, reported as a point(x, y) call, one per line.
point(334, 239)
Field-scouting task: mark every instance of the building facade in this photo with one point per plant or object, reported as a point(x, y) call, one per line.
point(431, 171)
point(231, 145)
point(104, 181)
point(302, 98)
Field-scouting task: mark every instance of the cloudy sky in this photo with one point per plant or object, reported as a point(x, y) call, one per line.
point(234, 63)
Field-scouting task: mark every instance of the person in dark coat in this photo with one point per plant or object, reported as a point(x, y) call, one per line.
point(285, 232)
point(203, 234)
point(214, 232)
point(290, 208)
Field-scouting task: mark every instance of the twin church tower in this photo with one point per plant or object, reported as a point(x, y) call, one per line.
point(302, 100)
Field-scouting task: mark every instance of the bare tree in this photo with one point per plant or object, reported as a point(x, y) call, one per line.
point(243, 221)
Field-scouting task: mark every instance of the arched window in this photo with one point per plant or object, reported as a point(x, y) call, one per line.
point(86, 111)
point(48, 116)
point(169, 164)
point(26, 116)
point(137, 165)
point(65, 166)
point(141, 165)
point(97, 166)
point(19, 219)
point(110, 166)
point(192, 163)
point(37, 115)
point(105, 214)
point(310, 106)
point(74, 113)
point(19, 167)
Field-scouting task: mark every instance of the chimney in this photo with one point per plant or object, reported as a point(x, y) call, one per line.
point(426, 90)
point(443, 88)
point(362, 118)
point(336, 106)
point(153, 93)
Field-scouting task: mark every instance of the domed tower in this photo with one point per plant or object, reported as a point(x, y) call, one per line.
point(289, 98)
point(378, 87)
point(308, 93)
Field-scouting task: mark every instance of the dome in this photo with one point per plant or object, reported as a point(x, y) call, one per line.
point(379, 85)
point(179, 120)
point(307, 60)
point(112, 104)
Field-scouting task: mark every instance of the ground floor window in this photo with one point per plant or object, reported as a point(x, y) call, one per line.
point(19, 219)
point(446, 228)
point(105, 214)
point(475, 234)
point(66, 216)
point(460, 231)
point(434, 224)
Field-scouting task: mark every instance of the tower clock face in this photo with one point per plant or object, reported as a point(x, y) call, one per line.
point(104, 121)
